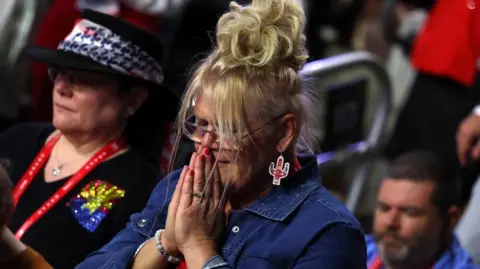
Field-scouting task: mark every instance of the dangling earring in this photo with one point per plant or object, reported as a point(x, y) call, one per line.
point(279, 170)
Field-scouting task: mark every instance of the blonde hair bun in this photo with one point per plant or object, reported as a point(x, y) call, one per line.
point(266, 34)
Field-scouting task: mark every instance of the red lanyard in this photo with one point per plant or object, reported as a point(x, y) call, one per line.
point(106, 152)
point(378, 264)
point(296, 165)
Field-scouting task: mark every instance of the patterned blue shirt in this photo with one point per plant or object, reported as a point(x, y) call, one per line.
point(454, 258)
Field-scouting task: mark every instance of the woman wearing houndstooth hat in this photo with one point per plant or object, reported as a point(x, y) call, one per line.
point(78, 181)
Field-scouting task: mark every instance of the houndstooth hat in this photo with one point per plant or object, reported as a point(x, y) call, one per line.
point(103, 43)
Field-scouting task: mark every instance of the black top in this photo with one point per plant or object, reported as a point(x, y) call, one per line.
point(67, 233)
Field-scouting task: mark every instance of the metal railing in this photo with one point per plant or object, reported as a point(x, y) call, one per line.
point(362, 151)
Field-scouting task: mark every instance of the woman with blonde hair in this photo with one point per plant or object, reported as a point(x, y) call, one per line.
point(245, 200)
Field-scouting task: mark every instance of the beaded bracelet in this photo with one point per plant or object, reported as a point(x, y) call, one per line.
point(170, 258)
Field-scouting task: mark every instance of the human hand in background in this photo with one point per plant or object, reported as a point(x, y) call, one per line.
point(468, 145)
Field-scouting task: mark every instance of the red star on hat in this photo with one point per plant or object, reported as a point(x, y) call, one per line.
point(90, 32)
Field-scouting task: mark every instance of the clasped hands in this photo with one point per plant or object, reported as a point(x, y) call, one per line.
point(192, 224)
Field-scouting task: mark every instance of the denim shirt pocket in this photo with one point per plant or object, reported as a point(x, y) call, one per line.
point(154, 215)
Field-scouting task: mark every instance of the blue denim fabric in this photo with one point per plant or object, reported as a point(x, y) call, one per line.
point(454, 258)
point(296, 225)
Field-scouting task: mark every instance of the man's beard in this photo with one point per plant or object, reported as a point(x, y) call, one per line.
point(395, 250)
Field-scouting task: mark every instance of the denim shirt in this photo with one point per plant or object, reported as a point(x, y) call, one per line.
point(298, 224)
point(454, 258)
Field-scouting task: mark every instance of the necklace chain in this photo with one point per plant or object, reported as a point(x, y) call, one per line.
point(57, 169)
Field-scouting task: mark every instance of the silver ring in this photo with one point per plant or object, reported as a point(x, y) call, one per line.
point(197, 194)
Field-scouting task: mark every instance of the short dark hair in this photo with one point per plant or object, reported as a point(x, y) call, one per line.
point(424, 166)
point(6, 201)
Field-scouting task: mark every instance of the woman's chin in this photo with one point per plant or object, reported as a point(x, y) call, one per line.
point(63, 124)
point(227, 171)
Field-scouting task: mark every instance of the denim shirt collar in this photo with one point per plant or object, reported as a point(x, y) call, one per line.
point(282, 200)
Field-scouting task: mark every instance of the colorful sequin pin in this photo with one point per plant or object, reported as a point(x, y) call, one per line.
point(94, 202)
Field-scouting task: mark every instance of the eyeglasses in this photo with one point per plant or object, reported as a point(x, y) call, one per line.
point(196, 131)
point(79, 77)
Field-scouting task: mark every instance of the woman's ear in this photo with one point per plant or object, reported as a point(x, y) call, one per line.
point(136, 99)
point(289, 130)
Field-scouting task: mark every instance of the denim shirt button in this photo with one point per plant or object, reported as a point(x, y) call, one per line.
point(142, 223)
point(235, 229)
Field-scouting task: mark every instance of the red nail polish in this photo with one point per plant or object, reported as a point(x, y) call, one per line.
point(206, 151)
point(202, 157)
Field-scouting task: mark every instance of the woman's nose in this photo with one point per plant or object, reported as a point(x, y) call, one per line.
point(208, 140)
point(62, 85)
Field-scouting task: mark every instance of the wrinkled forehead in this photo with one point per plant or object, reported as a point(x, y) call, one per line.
point(405, 192)
point(225, 100)
point(209, 108)
point(200, 108)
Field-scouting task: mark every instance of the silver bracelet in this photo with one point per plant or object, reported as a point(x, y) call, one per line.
point(140, 248)
point(170, 258)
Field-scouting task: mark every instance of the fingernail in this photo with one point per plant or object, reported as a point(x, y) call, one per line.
point(206, 151)
point(202, 157)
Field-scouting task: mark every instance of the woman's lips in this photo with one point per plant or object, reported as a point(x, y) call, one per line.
point(221, 159)
point(65, 108)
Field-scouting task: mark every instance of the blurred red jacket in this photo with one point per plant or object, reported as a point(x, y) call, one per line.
point(449, 43)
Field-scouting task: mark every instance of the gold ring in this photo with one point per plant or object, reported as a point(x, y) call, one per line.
point(196, 194)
